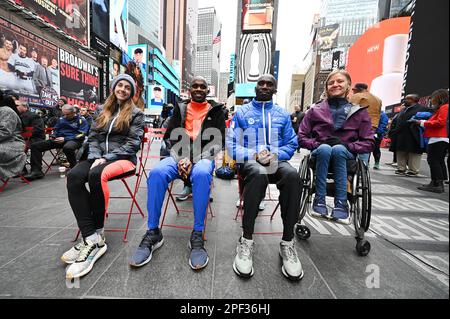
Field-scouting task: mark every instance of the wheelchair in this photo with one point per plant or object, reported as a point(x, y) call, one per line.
point(359, 197)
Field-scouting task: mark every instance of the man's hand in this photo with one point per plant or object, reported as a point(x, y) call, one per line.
point(185, 169)
point(265, 158)
point(98, 162)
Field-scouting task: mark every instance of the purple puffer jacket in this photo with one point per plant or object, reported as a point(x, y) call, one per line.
point(318, 126)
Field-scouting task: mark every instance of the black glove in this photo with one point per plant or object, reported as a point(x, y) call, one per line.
point(333, 141)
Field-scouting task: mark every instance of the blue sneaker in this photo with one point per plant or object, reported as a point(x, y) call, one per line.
point(319, 207)
point(199, 257)
point(152, 241)
point(340, 212)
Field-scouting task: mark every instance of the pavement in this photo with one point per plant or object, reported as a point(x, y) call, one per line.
point(409, 259)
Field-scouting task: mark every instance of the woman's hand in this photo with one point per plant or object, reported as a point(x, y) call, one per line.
point(98, 162)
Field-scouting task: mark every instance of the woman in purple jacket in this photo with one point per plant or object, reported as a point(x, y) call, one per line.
point(336, 131)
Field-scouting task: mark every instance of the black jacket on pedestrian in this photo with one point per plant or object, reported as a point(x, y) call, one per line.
point(30, 119)
point(296, 125)
point(114, 145)
point(408, 134)
point(209, 146)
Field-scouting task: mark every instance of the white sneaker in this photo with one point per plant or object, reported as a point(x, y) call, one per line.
point(262, 206)
point(292, 267)
point(71, 256)
point(243, 263)
point(89, 254)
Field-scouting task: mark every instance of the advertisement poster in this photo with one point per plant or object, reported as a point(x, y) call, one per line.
point(80, 80)
point(256, 56)
point(100, 29)
point(257, 15)
point(328, 37)
point(156, 100)
point(139, 54)
point(378, 59)
point(70, 16)
point(118, 24)
point(28, 65)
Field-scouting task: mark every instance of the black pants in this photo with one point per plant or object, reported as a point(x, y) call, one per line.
point(90, 207)
point(255, 185)
point(377, 150)
point(436, 160)
point(69, 148)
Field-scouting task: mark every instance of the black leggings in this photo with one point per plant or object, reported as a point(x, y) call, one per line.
point(255, 186)
point(90, 207)
point(436, 160)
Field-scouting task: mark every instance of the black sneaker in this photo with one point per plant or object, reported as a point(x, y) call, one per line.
point(412, 174)
point(34, 176)
point(437, 187)
point(199, 257)
point(401, 173)
point(152, 241)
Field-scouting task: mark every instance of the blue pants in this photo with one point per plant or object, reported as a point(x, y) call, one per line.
point(338, 155)
point(164, 174)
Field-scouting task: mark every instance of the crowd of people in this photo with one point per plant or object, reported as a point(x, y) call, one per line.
point(261, 138)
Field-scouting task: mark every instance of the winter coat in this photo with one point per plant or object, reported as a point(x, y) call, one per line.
point(372, 103)
point(382, 125)
point(406, 133)
point(297, 119)
point(31, 119)
point(207, 147)
point(12, 145)
point(436, 126)
point(74, 129)
point(114, 145)
point(261, 125)
point(356, 134)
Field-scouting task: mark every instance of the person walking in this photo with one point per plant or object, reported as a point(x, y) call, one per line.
point(297, 118)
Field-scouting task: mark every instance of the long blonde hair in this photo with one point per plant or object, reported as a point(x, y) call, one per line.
point(110, 108)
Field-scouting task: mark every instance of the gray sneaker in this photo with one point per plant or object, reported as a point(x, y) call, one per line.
point(292, 267)
point(187, 192)
point(152, 241)
point(71, 256)
point(243, 263)
point(89, 254)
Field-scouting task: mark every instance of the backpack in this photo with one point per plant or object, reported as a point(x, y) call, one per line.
point(225, 172)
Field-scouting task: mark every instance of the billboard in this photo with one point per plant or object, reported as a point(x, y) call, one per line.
point(100, 29)
point(255, 56)
point(139, 54)
point(118, 24)
point(80, 80)
point(328, 37)
point(257, 15)
point(378, 59)
point(28, 65)
point(156, 100)
point(69, 16)
point(427, 63)
point(332, 60)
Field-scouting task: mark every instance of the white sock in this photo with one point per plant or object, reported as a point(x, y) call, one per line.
point(95, 238)
point(100, 231)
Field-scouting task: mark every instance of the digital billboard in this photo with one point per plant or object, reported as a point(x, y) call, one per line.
point(139, 54)
point(328, 37)
point(80, 80)
point(100, 29)
point(257, 15)
point(255, 58)
point(378, 59)
point(28, 66)
point(155, 100)
point(70, 16)
point(118, 24)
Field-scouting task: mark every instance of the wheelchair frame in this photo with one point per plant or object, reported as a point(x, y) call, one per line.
point(360, 200)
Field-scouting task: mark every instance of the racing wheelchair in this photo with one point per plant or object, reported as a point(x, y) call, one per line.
point(359, 197)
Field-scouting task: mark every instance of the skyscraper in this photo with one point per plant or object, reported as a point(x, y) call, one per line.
point(144, 22)
point(208, 49)
point(190, 43)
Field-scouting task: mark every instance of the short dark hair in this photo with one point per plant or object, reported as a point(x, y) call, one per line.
point(157, 88)
point(64, 100)
point(138, 51)
point(361, 86)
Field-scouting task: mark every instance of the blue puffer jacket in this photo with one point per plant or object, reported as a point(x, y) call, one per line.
point(74, 129)
point(261, 125)
point(382, 125)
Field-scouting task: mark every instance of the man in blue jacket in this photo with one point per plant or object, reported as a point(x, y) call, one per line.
point(379, 136)
point(69, 134)
point(262, 141)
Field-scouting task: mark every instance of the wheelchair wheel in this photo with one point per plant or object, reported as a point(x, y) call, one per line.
point(363, 248)
point(362, 200)
point(307, 180)
point(302, 232)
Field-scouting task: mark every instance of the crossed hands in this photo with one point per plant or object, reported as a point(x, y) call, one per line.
point(265, 158)
point(185, 169)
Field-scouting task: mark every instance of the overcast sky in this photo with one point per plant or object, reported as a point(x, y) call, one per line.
point(295, 18)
